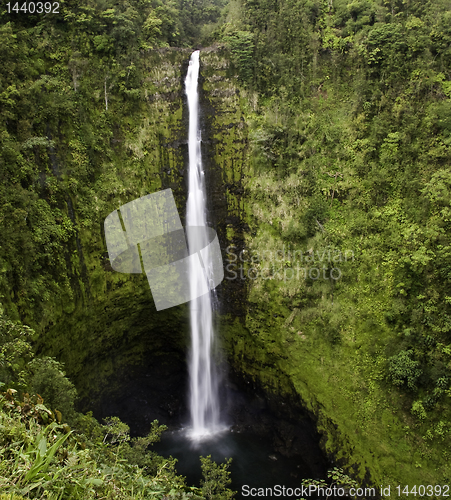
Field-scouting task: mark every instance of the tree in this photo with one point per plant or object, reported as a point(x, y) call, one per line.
point(50, 382)
point(216, 479)
point(403, 370)
point(151, 29)
point(15, 352)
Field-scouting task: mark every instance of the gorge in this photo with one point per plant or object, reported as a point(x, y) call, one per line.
point(324, 131)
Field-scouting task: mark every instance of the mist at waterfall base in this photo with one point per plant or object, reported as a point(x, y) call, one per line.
point(254, 461)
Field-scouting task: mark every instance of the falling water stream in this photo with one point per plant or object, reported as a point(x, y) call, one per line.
point(266, 446)
point(256, 461)
point(204, 404)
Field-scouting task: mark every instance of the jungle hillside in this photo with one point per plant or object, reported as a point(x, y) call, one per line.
point(331, 138)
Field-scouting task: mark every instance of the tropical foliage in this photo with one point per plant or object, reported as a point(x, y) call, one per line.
point(43, 457)
point(348, 112)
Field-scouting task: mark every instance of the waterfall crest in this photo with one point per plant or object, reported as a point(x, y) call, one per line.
point(204, 401)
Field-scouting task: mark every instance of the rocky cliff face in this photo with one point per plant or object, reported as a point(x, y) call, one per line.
point(108, 328)
point(117, 349)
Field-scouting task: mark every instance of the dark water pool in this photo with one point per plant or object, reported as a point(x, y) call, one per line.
point(254, 461)
point(272, 440)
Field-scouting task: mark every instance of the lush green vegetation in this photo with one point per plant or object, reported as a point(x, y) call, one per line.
point(43, 457)
point(81, 134)
point(349, 116)
point(74, 95)
point(346, 106)
point(111, 27)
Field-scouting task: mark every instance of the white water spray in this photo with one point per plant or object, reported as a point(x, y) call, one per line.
point(204, 405)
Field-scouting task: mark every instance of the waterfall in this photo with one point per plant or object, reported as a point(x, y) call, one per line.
point(204, 405)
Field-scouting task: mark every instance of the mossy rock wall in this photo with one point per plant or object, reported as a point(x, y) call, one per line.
point(276, 341)
point(103, 324)
point(97, 321)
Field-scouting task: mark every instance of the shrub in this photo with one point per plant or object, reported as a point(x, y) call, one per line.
point(403, 370)
point(15, 351)
point(418, 410)
point(216, 479)
point(50, 382)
